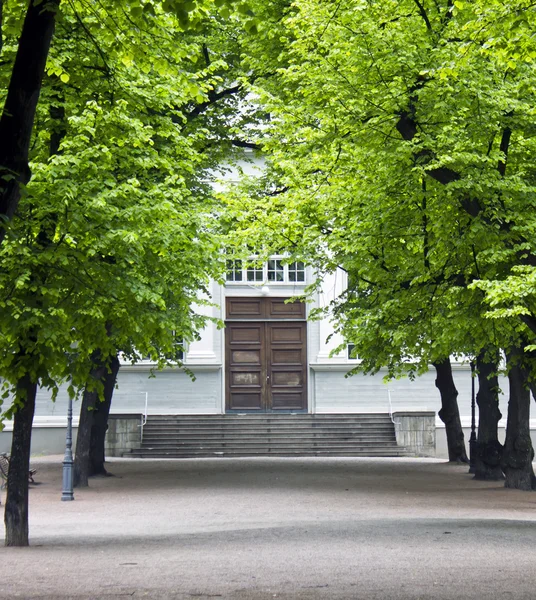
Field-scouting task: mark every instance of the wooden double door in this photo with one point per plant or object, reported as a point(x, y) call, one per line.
point(265, 355)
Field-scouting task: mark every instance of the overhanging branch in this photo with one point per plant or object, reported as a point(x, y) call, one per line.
point(213, 97)
point(423, 14)
point(245, 144)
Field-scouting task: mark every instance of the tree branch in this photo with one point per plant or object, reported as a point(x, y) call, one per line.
point(17, 120)
point(278, 191)
point(424, 15)
point(1, 23)
point(91, 37)
point(529, 321)
point(448, 12)
point(244, 144)
point(213, 97)
point(505, 144)
point(426, 241)
point(206, 55)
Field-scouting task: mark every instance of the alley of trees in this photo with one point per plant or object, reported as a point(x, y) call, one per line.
point(398, 139)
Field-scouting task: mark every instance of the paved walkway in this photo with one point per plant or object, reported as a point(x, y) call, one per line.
point(259, 529)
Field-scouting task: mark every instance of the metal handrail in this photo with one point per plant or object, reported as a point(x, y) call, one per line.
point(144, 416)
point(391, 409)
point(146, 405)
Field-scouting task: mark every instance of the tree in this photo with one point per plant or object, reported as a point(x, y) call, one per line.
point(112, 244)
point(399, 149)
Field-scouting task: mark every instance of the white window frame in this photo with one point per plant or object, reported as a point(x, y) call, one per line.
point(263, 270)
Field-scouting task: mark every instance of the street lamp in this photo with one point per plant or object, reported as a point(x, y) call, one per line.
point(472, 439)
point(67, 492)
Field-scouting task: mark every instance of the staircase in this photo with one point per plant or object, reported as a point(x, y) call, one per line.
point(200, 436)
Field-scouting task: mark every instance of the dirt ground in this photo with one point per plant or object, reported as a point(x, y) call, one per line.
point(315, 528)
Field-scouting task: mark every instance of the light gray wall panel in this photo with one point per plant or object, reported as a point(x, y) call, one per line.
point(45, 441)
point(368, 393)
point(169, 392)
point(313, 340)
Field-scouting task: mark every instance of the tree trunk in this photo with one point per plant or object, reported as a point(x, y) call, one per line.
point(16, 511)
point(83, 437)
point(449, 413)
point(17, 120)
point(488, 448)
point(531, 370)
point(518, 453)
point(100, 422)
point(1, 25)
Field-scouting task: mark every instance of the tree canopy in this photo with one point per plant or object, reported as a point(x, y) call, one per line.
point(118, 222)
point(399, 149)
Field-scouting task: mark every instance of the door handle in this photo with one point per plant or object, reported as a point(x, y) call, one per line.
point(268, 379)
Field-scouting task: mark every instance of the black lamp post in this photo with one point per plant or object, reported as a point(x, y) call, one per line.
point(472, 439)
point(67, 492)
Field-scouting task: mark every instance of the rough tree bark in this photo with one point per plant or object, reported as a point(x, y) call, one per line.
point(449, 413)
point(16, 511)
point(531, 358)
point(1, 24)
point(488, 449)
point(83, 437)
point(100, 422)
point(532, 388)
point(518, 452)
point(17, 120)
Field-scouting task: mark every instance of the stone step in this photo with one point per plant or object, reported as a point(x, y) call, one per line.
point(387, 452)
point(267, 432)
point(271, 415)
point(269, 444)
point(263, 425)
point(271, 421)
point(206, 428)
point(266, 421)
point(272, 436)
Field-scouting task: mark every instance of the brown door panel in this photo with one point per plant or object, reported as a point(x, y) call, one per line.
point(252, 334)
point(287, 379)
point(248, 379)
point(287, 401)
point(288, 357)
point(278, 308)
point(245, 308)
point(245, 401)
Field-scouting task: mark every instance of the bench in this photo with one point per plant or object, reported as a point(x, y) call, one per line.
point(4, 468)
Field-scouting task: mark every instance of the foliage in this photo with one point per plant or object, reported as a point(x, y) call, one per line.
point(115, 240)
point(399, 149)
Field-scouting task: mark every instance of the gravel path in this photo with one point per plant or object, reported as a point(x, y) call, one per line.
point(260, 529)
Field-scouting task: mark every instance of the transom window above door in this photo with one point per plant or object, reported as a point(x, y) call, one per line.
point(274, 270)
